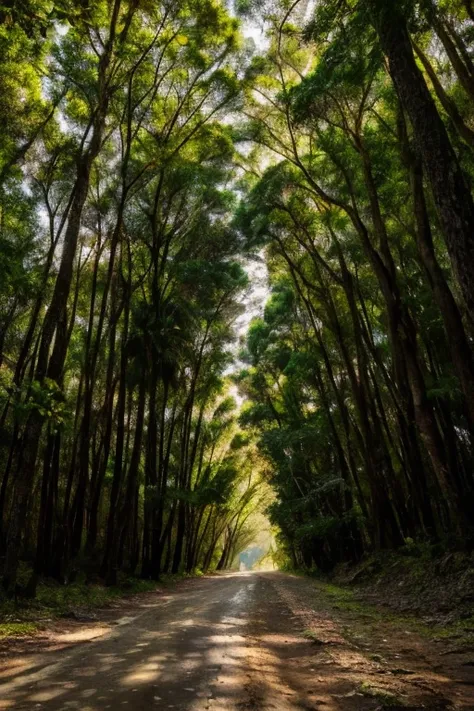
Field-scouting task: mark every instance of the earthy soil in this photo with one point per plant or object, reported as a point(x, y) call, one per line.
point(238, 641)
point(359, 658)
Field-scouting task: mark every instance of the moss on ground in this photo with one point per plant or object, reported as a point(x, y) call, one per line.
point(17, 629)
point(313, 637)
point(386, 698)
point(346, 600)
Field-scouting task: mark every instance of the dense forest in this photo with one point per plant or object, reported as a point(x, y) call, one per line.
point(120, 286)
point(149, 151)
point(361, 373)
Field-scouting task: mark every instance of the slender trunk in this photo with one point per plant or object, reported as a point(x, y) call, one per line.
point(466, 133)
point(203, 535)
point(5, 481)
point(40, 547)
point(180, 533)
point(100, 468)
point(111, 535)
point(462, 65)
point(124, 516)
point(150, 476)
point(169, 539)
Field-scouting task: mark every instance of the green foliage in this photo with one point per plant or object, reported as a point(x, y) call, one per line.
point(47, 398)
point(17, 629)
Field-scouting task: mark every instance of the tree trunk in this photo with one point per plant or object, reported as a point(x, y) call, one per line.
point(111, 542)
point(124, 515)
point(461, 352)
point(446, 102)
point(180, 533)
point(451, 193)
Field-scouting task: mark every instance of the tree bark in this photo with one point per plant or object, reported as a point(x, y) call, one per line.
point(451, 193)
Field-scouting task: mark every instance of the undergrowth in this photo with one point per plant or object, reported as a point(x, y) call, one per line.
point(17, 629)
point(346, 600)
point(24, 617)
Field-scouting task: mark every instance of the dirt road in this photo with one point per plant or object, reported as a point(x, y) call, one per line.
point(241, 641)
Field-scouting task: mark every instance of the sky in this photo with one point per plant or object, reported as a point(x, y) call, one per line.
point(258, 293)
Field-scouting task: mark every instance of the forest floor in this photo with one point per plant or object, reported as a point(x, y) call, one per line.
point(241, 641)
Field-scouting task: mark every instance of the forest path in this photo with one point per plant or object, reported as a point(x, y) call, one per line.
point(242, 641)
